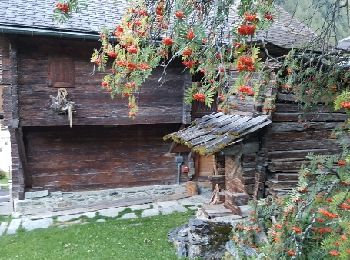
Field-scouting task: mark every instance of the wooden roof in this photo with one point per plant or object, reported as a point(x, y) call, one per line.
point(212, 133)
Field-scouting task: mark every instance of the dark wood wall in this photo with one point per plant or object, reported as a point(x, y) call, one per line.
point(8, 83)
point(5, 80)
point(290, 139)
point(60, 158)
point(47, 154)
point(94, 106)
point(245, 162)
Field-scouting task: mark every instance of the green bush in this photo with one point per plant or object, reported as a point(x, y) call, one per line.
point(312, 222)
point(3, 175)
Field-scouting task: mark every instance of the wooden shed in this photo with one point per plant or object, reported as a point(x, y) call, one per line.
point(229, 148)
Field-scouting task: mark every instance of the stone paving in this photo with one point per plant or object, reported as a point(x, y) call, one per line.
point(3, 227)
point(66, 218)
point(5, 202)
point(30, 225)
point(6, 208)
point(13, 226)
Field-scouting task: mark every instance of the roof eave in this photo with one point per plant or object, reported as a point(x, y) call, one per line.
point(6, 29)
point(35, 31)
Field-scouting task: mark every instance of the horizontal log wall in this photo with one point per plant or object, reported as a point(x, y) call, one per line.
point(5, 80)
point(98, 157)
point(291, 138)
point(94, 106)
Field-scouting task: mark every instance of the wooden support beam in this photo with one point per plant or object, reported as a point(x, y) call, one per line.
point(18, 149)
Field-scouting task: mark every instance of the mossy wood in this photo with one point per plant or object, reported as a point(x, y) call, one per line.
point(214, 132)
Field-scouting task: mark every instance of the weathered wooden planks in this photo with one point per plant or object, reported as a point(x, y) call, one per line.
point(290, 139)
point(312, 117)
point(214, 132)
point(306, 144)
point(9, 82)
point(98, 157)
point(159, 102)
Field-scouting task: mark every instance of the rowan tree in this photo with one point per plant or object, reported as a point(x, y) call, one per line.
point(313, 221)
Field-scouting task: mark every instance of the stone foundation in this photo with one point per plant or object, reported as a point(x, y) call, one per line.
point(58, 201)
point(205, 236)
point(200, 238)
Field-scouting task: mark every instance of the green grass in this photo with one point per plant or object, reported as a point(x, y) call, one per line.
point(4, 177)
point(115, 239)
point(4, 181)
point(4, 219)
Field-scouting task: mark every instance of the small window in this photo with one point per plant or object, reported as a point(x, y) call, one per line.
point(61, 72)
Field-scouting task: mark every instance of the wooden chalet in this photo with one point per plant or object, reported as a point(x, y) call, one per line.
point(105, 148)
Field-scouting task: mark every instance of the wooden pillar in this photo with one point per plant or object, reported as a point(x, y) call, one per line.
point(9, 83)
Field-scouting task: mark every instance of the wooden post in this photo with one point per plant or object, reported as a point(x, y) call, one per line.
point(9, 80)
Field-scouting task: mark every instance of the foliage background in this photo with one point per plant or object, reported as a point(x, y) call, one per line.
point(315, 12)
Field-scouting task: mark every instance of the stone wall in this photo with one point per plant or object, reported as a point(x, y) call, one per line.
point(43, 201)
point(201, 239)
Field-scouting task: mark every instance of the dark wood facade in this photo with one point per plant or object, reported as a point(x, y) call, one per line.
point(158, 104)
point(9, 85)
point(105, 148)
point(60, 158)
point(268, 163)
point(294, 134)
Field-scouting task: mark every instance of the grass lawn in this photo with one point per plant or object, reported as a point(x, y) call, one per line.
point(115, 239)
point(4, 180)
point(4, 219)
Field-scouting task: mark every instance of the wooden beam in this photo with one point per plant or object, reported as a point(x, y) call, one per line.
point(23, 156)
point(18, 149)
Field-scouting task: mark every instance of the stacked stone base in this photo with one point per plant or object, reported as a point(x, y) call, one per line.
point(43, 201)
point(201, 239)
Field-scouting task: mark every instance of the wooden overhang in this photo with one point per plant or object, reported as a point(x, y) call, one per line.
point(212, 133)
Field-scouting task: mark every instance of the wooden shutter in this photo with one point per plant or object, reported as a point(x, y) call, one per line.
point(61, 72)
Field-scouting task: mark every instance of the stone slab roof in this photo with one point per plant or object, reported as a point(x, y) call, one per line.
point(344, 44)
point(32, 16)
point(287, 31)
point(38, 14)
point(212, 133)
